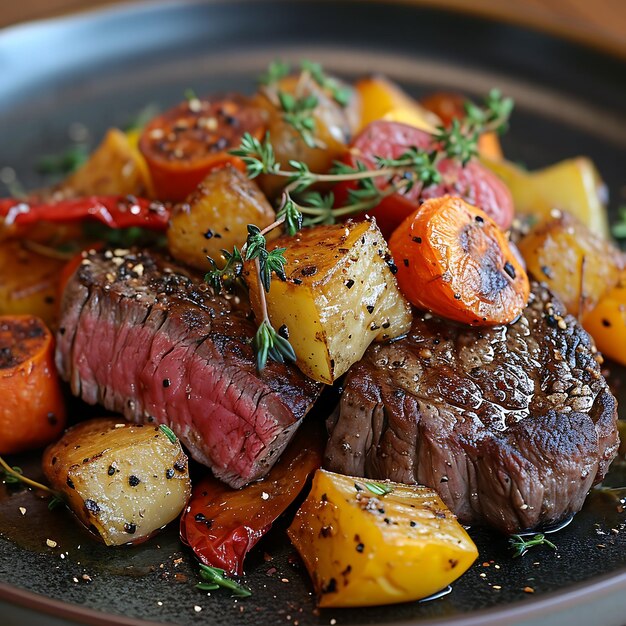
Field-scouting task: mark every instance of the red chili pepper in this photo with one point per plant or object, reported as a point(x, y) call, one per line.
point(221, 524)
point(114, 211)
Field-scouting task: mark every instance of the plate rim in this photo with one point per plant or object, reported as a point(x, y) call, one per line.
point(558, 29)
point(546, 605)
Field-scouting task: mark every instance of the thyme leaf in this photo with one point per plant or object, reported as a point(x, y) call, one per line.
point(11, 478)
point(268, 343)
point(618, 229)
point(298, 112)
point(276, 70)
point(379, 489)
point(64, 162)
point(225, 278)
point(341, 94)
point(168, 432)
point(216, 578)
point(520, 545)
point(14, 475)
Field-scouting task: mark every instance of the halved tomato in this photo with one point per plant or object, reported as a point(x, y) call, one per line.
point(473, 182)
point(184, 144)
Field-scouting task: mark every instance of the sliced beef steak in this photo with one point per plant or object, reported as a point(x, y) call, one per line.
point(142, 338)
point(511, 425)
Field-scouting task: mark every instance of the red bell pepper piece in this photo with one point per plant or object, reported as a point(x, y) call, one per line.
point(114, 211)
point(221, 524)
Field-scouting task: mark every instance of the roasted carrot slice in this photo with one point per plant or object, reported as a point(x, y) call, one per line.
point(184, 144)
point(32, 412)
point(453, 260)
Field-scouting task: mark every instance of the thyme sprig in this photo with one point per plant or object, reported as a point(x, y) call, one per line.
point(267, 342)
point(302, 206)
point(298, 112)
point(216, 578)
point(341, 94)
point(298, 109)
point(520, 545)
point(460, 140)
point(15, 475)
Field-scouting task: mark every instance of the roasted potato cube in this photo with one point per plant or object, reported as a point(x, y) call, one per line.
point(215, 217)
point(334, 125)
point(28, 282)
point(577, 264)
point(114, 167)
point(340, 295)
point(366, 543)
point(573, 186)
point(123, 480)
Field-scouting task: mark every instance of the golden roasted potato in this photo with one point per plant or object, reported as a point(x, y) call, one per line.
point(216, 217)
point(123, 480)
point(606, 323)
point(340, 295)
point(573, 186)
point(115, 167)
point(333, 128)
point(366, 543)
point(577, 264)
point(28, 282)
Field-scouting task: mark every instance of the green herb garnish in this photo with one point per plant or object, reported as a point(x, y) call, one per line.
point(275, 71)
point(216, 578)
point(341, 94)
point(520, 545)
point(298, 112)
point(13, 478)
point(55, 502)
point(65, 162)
point(379, 489)
point(300, 206)
point(619, 228)
point(14, 475)
point(168, 432)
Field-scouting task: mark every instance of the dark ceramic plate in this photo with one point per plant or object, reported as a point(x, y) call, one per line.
point(99, 70)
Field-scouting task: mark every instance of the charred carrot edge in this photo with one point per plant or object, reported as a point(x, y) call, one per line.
point(453, 260)
point(32, 411)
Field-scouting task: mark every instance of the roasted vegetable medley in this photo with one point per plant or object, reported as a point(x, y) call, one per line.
point(211, 274)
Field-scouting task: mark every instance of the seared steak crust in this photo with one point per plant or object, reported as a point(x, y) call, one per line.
point(512, 425)
point(144, 338)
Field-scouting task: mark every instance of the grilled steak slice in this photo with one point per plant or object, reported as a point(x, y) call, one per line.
point(511, 425)
point(142, 338)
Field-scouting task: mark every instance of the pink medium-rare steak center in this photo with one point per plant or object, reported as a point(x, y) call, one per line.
point(141, 337)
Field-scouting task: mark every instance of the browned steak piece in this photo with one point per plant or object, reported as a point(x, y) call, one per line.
point(143, 338)
point(511, 425)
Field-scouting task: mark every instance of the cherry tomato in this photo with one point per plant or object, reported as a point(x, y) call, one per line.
point(184, 144)
point(474, 182)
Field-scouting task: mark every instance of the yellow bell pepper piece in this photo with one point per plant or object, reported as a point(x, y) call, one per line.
point(366, 543)
point(607, 323)
point(573, 186)
point(382, 99)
